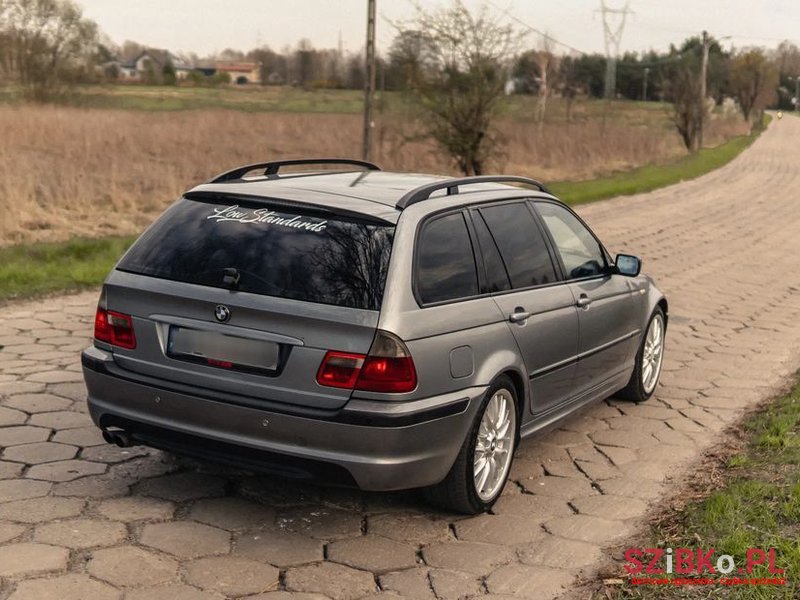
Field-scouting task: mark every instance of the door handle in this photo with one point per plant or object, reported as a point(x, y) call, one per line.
point(519, 315)
point(583, 301)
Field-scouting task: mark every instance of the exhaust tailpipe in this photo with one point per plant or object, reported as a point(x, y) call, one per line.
point(118, 437)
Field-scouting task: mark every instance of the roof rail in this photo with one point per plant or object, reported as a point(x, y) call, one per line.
point(271, 168)
point(424, 192)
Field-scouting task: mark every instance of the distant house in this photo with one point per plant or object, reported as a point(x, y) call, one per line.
point(151, 63)
point(242, 73)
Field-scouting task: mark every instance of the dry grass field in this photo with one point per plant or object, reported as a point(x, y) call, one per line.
point(76, 171)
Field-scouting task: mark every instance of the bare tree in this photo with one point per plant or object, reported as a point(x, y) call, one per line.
point(463, 81)
point(753, 81)
point(684, 89)
point(547, 64)
point(46, 43)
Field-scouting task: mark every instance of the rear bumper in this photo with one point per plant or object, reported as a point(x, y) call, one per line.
point(377, 446)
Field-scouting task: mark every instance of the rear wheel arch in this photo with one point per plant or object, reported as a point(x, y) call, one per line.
point(519, 389)
point(662, 304)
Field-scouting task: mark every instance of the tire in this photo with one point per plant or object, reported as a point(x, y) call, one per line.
point(458, 491)
point(643, 383)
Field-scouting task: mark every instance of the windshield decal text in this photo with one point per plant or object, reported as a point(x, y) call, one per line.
point(264, 215)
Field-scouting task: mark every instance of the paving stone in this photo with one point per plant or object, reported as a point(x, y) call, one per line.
point(73, 391)
point(25, 559)
point(411, 583)
point(8, 531)
point(72, 586)
point(111, 454)
point(529, 581)
point(11, 388)
point(287, 596)
point(172, 591)
point(19, 489)
point(623, 439)
point(95, 486)
point(620, 456)
point(10, 470)
point(180, 487)
point(373, 553)
point(416, 529)
point(471, 557)
point(56, 376)
point(81, 533)
point(39, 452)
point(636, 424)
point(565, 488)
point(65, 470)
point(278, 548)
point(38, 510)
point(62, 419)
point(597, 471)
point(80, 436)
point(560, 553)
point(584, 528)
point(499, 529)
point(632, 487)
point(611, 507)
point(335, 581)
point(320, 522)
point(128, 566)
point(186, 539)
point(453, 585)
point(136, 508)
point(232, 576)
point(562, 468)
point(232, 513)
point(9, 416)
point(535, 508)
point(24, 434)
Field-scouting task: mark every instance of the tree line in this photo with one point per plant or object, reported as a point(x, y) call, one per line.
point(456, 64)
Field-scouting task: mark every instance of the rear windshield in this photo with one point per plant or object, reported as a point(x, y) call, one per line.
point(272, 250)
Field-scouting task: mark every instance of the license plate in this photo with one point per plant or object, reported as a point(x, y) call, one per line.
point(217, 349)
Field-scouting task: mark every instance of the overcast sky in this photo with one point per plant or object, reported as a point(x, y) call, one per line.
point(207, 26)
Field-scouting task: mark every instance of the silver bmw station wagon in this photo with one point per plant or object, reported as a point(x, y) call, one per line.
point(359, 327)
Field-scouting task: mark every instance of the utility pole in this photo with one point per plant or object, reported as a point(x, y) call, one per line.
point(613, 25)
point(644, 85)
point(369, 84)
point(703, 76)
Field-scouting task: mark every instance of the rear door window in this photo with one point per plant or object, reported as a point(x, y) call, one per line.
point(521, 244)
point(273, 250)
point(445, 261)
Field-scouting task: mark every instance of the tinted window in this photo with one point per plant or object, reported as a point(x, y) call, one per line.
point(496, 275)
point(445, 263)
point(276, 251)
point(521, 244)
point(579, 250)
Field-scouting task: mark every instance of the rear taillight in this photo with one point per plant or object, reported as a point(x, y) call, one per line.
point(340, 369)
point(114, 328)
point(388, 368)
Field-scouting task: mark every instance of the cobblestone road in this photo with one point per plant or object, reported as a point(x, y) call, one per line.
point(81, 520)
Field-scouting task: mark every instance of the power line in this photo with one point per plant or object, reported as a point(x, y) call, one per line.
point(546, 36)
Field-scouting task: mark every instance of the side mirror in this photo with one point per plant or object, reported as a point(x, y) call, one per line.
point(628, 265)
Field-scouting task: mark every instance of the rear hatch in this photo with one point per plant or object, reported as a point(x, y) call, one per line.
point(245, 298)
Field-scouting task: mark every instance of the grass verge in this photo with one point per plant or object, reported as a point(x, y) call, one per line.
point(651, 177)
point(747, 498)
point(39, 269)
